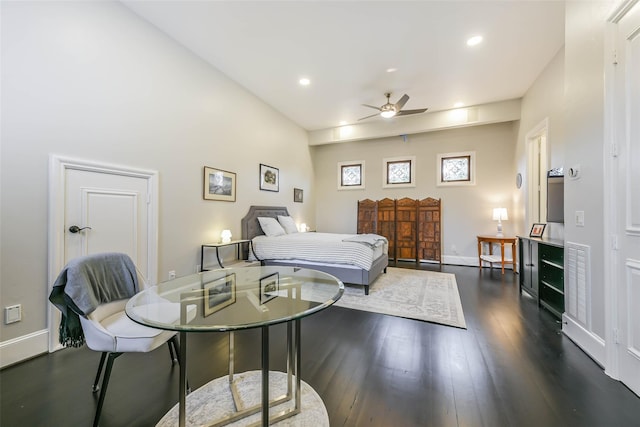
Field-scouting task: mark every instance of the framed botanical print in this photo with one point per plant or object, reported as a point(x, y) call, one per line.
point(298, 195)
point(269, 178)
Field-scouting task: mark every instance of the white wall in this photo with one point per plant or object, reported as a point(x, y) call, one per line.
point(466, 210)
point(585, 145)
point(544, 100)
point(91, 80)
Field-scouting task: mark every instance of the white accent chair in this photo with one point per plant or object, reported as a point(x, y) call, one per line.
point(109, 330)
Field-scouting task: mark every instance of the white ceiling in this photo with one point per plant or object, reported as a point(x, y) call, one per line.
point(345, 48)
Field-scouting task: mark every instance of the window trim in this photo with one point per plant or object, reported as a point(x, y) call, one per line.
point(471, 155)
point(412, 171)
point(342, 165)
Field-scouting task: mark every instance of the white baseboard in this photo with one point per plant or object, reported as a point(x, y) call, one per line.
point(470, 262)
point(590, 343)
point(24, 347)
point(460, 260)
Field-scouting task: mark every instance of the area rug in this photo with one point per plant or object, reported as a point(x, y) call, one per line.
point(422, 295)
point(213, 401)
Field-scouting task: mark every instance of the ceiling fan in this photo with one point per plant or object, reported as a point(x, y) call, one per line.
point(389, 110)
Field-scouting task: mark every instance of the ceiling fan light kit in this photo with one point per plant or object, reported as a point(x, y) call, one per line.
point(389, 110)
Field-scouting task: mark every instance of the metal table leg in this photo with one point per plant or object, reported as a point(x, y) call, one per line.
point(183, 380)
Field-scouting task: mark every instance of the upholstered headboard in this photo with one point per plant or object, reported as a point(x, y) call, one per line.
point(250, 225)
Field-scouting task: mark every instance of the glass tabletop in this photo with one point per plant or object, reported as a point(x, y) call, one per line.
point(235, 298)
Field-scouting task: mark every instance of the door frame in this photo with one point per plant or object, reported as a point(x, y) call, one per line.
point(58, 166)
point(539, 131)
point(613, 259)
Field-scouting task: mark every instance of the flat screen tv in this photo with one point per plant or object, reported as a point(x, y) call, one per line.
point(555, 195)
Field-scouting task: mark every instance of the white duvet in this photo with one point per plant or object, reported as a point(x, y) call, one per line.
point(328, 248)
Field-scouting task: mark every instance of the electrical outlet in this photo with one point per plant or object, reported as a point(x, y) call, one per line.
point(197, 268)
point(172, 274)
point(12, 314)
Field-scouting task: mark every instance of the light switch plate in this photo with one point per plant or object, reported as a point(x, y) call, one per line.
point(580, 218)
point(12, 314)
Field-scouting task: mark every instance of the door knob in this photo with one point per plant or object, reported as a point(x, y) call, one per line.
point(75, 228)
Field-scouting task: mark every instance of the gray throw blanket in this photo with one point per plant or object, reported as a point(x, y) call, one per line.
point(85, 283)
point(371, 240)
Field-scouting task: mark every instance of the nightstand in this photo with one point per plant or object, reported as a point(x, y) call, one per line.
point(217, 246)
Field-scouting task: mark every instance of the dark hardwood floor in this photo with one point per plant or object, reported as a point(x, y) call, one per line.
point(511, 367)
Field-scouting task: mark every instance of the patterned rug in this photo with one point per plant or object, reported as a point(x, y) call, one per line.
point(413, 294)
point(213, 401)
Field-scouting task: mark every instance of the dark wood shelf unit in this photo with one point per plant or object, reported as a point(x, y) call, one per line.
point(542, 272)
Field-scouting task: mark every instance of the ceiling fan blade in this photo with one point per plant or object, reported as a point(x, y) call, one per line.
point(367, 117)
point(407, 112)
point(371, 106)
point(401, 102)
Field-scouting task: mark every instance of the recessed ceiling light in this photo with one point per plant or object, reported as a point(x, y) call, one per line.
point(475, 40)
point(458, 105)
point(391, 70)
point(304, 81)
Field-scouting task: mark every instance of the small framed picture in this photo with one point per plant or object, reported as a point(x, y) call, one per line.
point(219, 294)
point(219, 185)
point(269, 286)
point(269, 178)
point(297, 195)
point(537, 229)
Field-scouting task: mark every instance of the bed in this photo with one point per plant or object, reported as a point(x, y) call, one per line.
point(348, 260)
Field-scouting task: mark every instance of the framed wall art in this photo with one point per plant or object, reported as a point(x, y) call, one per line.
point(219, 185)
point(219, 294)
point(269, 178)
point(269, 286)
point(537, 229)
point(298, 195)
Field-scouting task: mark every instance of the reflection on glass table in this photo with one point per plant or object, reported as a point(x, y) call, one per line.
point(234, 299)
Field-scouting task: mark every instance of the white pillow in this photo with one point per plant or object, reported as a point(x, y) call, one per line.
point(271, 227)
point(288, 224)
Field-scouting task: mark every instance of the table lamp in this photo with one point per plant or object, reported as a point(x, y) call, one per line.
point(500, 214)
point(225, 236)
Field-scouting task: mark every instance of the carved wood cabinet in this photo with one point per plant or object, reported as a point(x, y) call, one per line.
point(412, 227)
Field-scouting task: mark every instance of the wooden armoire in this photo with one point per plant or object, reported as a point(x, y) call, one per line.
point(412, 227)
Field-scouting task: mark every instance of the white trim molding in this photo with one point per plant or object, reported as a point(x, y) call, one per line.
point(403, 159)
point(24, 347)
point(354, 163)
point(58, 167)
point(471, 169)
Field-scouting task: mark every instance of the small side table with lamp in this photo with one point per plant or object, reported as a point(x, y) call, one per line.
point(225, 240)
point(499, 214)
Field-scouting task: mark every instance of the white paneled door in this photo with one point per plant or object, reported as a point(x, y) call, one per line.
point(627, 125)
point(102, 209)
point(110, 213)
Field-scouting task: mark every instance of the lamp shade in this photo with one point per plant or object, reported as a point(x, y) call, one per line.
point(302, 227)
point(225, 236)
point(500, 214)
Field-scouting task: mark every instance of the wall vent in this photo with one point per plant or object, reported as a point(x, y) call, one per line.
point(577, 291)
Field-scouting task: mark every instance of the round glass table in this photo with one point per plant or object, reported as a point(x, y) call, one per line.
point(231, 299)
